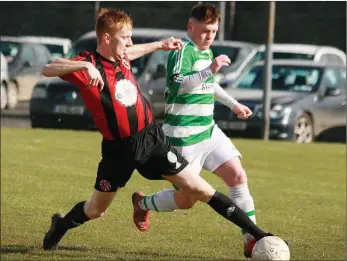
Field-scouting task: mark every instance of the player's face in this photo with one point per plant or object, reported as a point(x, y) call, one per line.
point(120, 41)
point(203, 34)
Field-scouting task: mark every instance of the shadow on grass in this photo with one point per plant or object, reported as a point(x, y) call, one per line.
point(90, 253)
point(16, 249)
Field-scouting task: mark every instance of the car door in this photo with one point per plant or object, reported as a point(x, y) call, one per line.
point(331, 108)
point(27, 75)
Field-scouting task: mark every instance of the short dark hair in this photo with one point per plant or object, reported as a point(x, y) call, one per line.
point(206, 13)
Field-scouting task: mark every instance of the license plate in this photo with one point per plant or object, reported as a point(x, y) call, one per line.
point(69, 109)
point(232, 125)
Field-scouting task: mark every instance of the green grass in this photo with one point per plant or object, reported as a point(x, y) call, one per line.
point(299, 192)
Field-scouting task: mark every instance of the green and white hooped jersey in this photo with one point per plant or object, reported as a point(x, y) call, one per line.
point(189, 109)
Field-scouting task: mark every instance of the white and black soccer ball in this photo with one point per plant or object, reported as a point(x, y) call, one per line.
point(270, 248)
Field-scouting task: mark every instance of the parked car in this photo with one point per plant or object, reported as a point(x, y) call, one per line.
point(4, 79)
point(315, 53)
point(154, 81)
point(25, 61)
point(236, 51)
point(58, 46)
point(308, 101)
point(56, 103)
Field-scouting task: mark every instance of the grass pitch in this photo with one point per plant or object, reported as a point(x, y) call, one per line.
point(299, 192)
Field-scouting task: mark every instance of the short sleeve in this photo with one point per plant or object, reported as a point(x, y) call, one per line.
point(80, 77)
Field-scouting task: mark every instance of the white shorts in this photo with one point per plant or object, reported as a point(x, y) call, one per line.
point(210, 154)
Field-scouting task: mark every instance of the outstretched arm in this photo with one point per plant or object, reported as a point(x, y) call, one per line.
point(61, 67)
point(139, 50)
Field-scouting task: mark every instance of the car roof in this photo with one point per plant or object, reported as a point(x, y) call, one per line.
point(238, 44)
point(149, 32)
point(37, 39)
point(297, 48)
point(296, 62)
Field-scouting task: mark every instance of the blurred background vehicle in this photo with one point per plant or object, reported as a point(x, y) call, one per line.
point(59, 47)
point(4, 79)
point(25, 61)
point(308, 101)
point(154, 84)
point(286, 51)
point(236, 51)
point(56, 103)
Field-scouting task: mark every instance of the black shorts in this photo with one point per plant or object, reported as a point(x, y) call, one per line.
point(148, 151)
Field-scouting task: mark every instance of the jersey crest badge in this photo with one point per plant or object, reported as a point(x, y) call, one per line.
point(126, 93)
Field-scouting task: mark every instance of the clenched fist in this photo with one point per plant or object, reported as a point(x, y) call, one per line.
point(242, 111)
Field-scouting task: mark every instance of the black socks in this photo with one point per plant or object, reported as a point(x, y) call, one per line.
point(75, 217)
point(225, 207)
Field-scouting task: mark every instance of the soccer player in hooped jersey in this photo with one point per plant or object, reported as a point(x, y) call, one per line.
point(191, 91)
point(131, 140)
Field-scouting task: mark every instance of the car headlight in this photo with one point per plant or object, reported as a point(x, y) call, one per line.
point(279, 111)
point(39, 92)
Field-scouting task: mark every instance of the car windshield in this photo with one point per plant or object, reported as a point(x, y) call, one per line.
point(260, 56)
point(56, 50)
point(137, 65)
point(292, 78)
point(9, 50)
point(236, 55)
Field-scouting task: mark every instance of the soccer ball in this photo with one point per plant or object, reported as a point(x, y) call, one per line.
point(270, 248)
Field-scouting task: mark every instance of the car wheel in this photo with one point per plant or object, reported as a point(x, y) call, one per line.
point(12, 95)
point(303, 131)
point(3, 96)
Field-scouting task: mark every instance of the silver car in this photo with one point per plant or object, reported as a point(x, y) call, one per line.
point(308, 102)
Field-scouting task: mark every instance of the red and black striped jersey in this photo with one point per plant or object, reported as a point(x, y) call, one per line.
point(120, 109)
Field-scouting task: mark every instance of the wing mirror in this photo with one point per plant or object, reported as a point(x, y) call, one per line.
point(331, 91)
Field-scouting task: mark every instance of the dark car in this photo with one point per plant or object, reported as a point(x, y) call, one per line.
point(154, 87)
point(56, 103)
point(25, 62)
point(308, 102)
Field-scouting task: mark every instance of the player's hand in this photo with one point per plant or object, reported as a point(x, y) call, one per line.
point(219, 61)
point(242, 111)
point(94, 77)
point(171, 44)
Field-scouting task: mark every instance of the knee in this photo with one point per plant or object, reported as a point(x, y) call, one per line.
point(235, 176)
point(240, 177)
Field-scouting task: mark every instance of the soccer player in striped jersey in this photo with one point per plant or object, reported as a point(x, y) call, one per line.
point(130, 138)
point(191, 91)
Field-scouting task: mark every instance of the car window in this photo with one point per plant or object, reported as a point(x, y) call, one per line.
point(236, 55)
point(333, 78)
point(56, 50)
point(42, 54)
point(284, 78)
point(28, 53)
point(9, 50)
point(158, 58)
point(259, 56)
